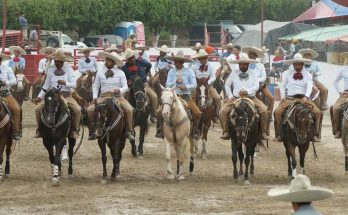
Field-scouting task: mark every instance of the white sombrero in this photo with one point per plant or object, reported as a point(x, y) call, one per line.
point(113, 56)
point(257, 51)
point(300, 190)
point(180, 56)
point(264, 49)
point(90, 49)
point(201, 53)
point(141, 47)
point(309, 51)
point(14, 48)
point(164, 49)
point(197, 47)
point(243, 58)
point(61, 55)
point(5, 57)
point(130, 53)
point(47, 49)
point(297, 59)
point(228, 46)
point(113, 48)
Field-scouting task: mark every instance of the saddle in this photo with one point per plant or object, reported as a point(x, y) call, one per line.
point(250, 103)
point(187, 109)
point(5, 105)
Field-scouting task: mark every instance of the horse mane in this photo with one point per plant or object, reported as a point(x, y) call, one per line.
point(179, 104)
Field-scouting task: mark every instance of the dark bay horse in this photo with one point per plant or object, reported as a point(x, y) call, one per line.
point(6, 132)
point(54, 128)
point(206, 106)
point(161, 77)
point(344, 131)
point(298, 130)
point(138, 99)
point(244, 129)
point(110, 125)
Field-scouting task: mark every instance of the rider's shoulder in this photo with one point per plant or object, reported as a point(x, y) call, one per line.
point(5, 68)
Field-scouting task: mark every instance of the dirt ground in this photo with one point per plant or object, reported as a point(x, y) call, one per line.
point(142, 188)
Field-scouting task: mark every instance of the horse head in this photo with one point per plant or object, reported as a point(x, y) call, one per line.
point(202, 96)
point(303, 121)
point(52, 104)
point(102, 116)
point(139, 95)
point(168, 99)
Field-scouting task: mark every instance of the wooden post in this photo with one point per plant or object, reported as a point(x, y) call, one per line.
point(4, 26)
point(262, 13)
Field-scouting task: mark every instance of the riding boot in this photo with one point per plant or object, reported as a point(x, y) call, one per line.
point(159, 131)
point(216, 116)
point(196, 132)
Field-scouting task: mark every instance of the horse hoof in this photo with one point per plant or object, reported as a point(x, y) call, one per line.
point(251, 175)
point(70, 176)
point(141, 157)
point(170, 177)
point(55, 182)
point(103, 181)
point(118, 176)
point(181, 177)
point(246, 182)
point(204, 157)
point(7, 175)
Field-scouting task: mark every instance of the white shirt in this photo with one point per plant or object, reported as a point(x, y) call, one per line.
point(7, 75)
point(162, 64)
point(343, 74)
point(250, 84)
point(52, 79)
point(42, 65)
point(232, 66)
point(83, 66)
point(119, 81)
point(260, 70)
point(291, 87)
point(210, 73)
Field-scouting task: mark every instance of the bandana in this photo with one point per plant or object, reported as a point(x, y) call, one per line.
point(16, 59)
point(88, 60)
point(243, 75)
point(133, 68)
point(59, 72)
point(203, 68)
point(109, 74)
point(298, 76)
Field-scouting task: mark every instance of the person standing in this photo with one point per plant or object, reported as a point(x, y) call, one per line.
point(229, 51)
point(130, 42)
point(24, 27)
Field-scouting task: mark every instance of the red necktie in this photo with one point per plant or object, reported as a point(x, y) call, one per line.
point(298, 76)
point(237, 56)
point(133, 68)
point(16, 59)
point(203, 68)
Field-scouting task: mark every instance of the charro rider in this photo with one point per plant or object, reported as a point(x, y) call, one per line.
point(87, 64)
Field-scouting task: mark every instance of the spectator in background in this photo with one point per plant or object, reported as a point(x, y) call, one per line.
point(130, 42)
point(228, 36)
point(229, 50)
point(24, 27)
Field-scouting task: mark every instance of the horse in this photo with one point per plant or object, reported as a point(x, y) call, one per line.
point(298, 130)
point(344, 129)
point(161, 81)
point(54, 127)
point(138, 99)
point(6, 136)
point(176, 130)
point(206, 106)
point(20, 89)
point(110, 125)
point(244, 129)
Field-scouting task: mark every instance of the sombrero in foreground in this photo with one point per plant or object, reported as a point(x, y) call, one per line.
point(61, 55)
point(257, 51)
point(244, 58)
point(179, 57)
point(14, 48)
point(309, 51)
point(300, 190)
point(297, 59)
point(113, 56)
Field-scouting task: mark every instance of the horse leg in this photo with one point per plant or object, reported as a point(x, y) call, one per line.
point(170, 175)
point(247, 163)
point(8, 153)
point(141, 140)
point(303, 150)
point(192, 159)
point(2, 148)
point(59, 147)
point(289, 163)
point(182, 154)
point(234, 160)
point(241, 159)
point(49, 149)
point(119, 157)
point(72, 143)
point(134, 148)
point(293, 160)
point(102, 146)
point(116, 158)
point(252, 168)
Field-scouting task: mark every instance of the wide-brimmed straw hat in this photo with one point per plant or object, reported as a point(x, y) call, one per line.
point(47, 49)
point(243, 58)
point(300, 190)
point(141, 47)
point(257, 51)
point(130, 53)
point(180, 56)
point(61, 55)
point(14, 48)
point(82, 51)
point(264, 49)
point(113, 48)
point(201, 53)
point(113, 56)
point(164, 49)
point(197, 47)
point(297, 59)
point(309, 51)
point(228, 46)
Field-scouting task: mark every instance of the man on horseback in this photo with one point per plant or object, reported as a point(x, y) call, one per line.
point(60, 76)
point(184, 81)
point(314, 69)
point(162, 64)
point(87, 64)
point(296, 86)
point(205, 74)
point(243, 81)
point(112, 82)
point(260, 70)
point(8, 79)
point(142, 54)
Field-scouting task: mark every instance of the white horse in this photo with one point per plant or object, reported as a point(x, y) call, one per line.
point(176, 130)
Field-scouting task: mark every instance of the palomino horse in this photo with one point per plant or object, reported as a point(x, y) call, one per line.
point(298, 130)
point(344, 130)
point(6, 133)
point(54, 128)
point(206, 106)
point(176, 130)
point(138, 99)
point(19, 90)
point(244, 129)
point(110, 125)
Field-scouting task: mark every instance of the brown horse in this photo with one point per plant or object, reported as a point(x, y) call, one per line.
point(207, 107)
point(5, 137)
point(298, 130)
point(344, 130)
point(159, 81)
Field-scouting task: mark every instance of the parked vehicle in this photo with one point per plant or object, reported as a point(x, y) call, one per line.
point(102, 41)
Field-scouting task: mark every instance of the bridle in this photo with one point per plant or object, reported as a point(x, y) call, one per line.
point(142, 109)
